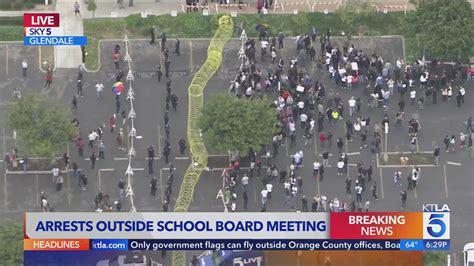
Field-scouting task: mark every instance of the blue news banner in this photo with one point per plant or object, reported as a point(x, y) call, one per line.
point(54, 40)
point(266, 244)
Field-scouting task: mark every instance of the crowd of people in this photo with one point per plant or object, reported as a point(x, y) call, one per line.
point(306, 107)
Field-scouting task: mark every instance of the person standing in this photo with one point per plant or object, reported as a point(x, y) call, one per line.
point(358, 189)
point(93, 159)
point(166, 153)
point(446, 143)
point(153, 183)
point(436, 155)
point(152, 35)
point(325, 156)
point(403, 195)
point(167, 67)
point(159, 72)
point(151, 157)
point(177, 47)
point(304, 203)
point(163, 41)
point(348, 185)
point(66, 159)
point(374, 190)
point(246, 199)
point(101, 148)
point(121, 186)
point(264, 194)
point(79, 88)
point(182, 146)
point(48, 77)
point(24, 67)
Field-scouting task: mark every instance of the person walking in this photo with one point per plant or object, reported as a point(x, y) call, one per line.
point(77, 9)
point(99, 87)
point(93, 159)
point(325, 156)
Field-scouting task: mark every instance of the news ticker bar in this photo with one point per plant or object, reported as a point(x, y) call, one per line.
point(233, 244)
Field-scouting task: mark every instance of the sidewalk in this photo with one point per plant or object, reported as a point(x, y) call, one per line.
point(69, 56)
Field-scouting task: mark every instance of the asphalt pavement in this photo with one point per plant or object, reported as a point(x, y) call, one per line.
point(447, 183)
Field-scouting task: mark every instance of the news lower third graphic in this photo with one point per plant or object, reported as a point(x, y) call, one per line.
point(236, 231)
point(44, 29)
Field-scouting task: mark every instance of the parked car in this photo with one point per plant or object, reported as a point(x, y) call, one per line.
point(468, 252)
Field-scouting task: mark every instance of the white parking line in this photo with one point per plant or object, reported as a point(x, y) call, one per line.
point(181, 158)
point(353, 153)
point(453, 163)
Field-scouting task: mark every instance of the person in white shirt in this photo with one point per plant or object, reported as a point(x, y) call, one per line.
point(316, 166)
point(300, 105)
point(55, 172)
point(264, 194)
point(24, 66)
point(99, 89)
point(352, 104)
point(412, 96)
point(298, 158)
point(303, 119)
point(391, 85)
point(340, 167)
point(245, 182)
point(349, 82)
point(335, 204)
point(264, 45)
point(269, 187)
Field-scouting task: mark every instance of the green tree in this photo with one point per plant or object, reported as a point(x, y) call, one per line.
point(434, 258)
point(43, 125)
point(11, 243)
point(445, 28)
point(231, 123)
point(92, 6)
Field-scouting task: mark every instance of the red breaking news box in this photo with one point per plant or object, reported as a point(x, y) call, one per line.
point(41, 20)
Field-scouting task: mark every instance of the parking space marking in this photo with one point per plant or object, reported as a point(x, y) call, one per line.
point(191, 55)
point(100, 176)
point(445, 181)
point(159, 142)
point(416, 194)
point(36, 190)
point(5, 187)
point(453, 163)
point(6, 60)
point(182, 158)
point(161, 186)
point(381, 183)
point(120, 159)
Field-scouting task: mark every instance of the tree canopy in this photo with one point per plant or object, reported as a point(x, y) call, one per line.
point(43, 125)
point(445, 27)
point(11, 243)
point(231, 123)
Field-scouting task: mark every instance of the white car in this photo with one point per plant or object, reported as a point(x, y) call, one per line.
point(469, 254)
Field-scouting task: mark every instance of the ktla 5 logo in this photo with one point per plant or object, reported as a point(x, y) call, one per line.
point(436, 225)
